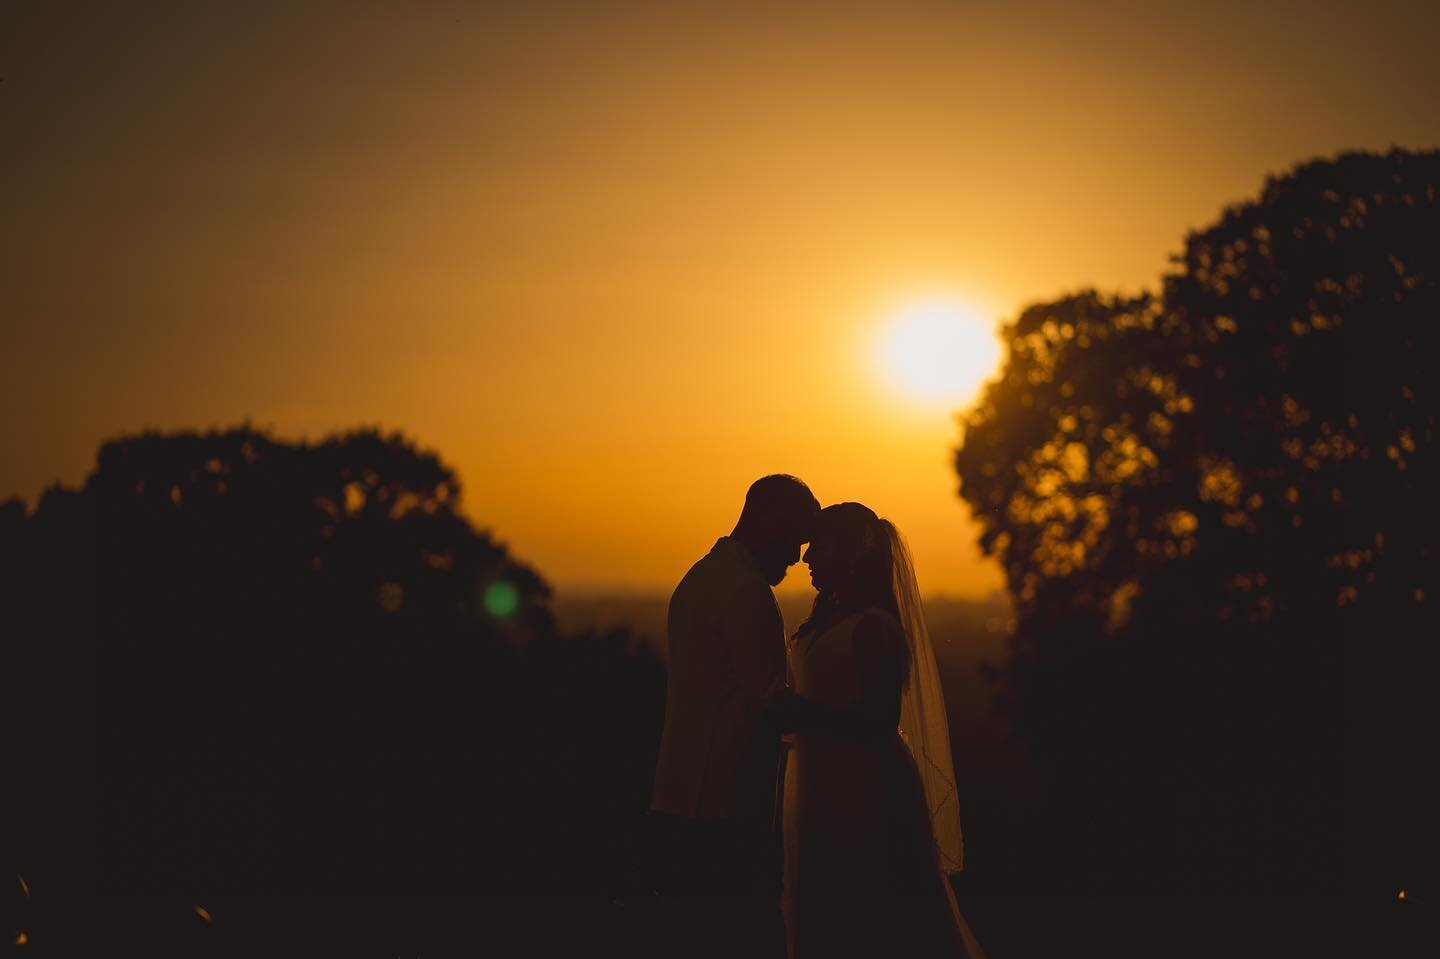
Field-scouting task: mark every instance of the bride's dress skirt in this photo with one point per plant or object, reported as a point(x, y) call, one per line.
point(862, 876)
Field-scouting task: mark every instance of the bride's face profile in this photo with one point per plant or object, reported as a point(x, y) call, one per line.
point(842, 550)
point(821, 557)
point(831, 555)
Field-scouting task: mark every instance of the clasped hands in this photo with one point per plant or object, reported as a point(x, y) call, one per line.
point(789, 712)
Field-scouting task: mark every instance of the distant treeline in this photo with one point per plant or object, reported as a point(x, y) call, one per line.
point(240, 665)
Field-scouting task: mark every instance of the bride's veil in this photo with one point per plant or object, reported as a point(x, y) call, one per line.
point(923, 722)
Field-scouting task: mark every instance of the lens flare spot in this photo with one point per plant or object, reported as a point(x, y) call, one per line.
point(500, 599)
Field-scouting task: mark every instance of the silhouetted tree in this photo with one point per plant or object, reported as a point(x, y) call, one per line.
point(1216, 515)
point(273, 667)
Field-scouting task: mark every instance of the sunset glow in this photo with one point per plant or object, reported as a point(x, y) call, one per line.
point(660, 247)
point(939, 352)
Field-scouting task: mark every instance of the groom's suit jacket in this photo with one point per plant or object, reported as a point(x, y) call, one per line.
point(726, 659)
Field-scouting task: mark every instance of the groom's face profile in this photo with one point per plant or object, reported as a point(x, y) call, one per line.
point(778, 518)
point(783, 550)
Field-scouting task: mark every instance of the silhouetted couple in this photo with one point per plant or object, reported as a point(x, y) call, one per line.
point(840, 845)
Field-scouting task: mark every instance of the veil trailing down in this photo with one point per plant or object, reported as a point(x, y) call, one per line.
point(924, 724)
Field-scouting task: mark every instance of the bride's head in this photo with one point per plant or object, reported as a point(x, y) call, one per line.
point(851, 566)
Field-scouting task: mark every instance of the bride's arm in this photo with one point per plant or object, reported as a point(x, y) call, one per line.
point(792, 713)
point(879, 650)
point(878, 643)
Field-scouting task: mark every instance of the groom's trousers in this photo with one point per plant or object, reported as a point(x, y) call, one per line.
point(720, 881)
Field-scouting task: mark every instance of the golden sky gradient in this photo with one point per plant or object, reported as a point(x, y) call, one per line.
point(614, 261)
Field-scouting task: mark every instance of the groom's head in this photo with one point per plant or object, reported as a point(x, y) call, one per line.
point(778, 518)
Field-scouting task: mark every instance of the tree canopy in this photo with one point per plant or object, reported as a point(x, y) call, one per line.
point(255, 665)
point(1214, 508)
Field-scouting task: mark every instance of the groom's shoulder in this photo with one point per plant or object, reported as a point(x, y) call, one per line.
point(718, 563)
point(706, 568)
point(701, 579)
point(718, 577)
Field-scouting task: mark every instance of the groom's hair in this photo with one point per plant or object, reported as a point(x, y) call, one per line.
point(780, 494)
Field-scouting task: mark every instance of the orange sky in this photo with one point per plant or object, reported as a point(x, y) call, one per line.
point(615, 261)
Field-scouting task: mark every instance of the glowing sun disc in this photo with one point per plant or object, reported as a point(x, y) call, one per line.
point(940, 351)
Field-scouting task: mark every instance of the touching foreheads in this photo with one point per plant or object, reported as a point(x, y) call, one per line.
point(780, 498)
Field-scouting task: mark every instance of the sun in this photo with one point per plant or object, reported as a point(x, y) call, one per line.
point(939, 352)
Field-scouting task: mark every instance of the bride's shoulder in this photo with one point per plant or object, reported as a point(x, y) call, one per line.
point(878, 642)
point(879, 626)
point(881, 617)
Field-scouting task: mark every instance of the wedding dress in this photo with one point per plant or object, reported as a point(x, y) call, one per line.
point(868, 835)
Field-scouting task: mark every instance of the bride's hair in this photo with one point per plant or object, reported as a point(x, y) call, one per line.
point(864, 538)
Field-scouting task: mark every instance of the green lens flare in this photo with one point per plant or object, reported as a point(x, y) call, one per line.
point(500, 599)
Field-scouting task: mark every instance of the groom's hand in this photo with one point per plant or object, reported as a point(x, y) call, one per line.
point(778, 713)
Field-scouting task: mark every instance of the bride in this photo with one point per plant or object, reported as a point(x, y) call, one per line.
point(871, 826)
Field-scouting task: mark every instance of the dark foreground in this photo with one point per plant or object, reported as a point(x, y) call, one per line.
point(1009, 927)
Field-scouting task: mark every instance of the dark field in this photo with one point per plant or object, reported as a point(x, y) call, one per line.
point(1003, 891)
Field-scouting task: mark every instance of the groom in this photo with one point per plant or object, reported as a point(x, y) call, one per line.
point(713, 803)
